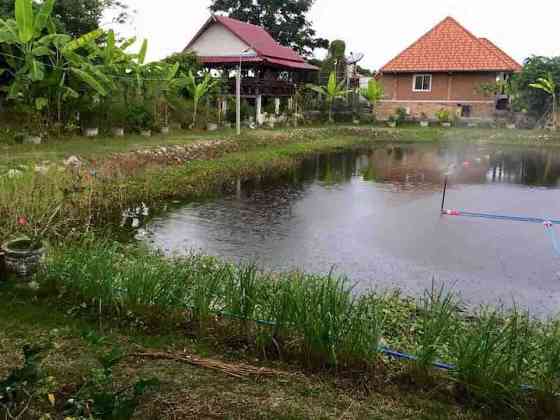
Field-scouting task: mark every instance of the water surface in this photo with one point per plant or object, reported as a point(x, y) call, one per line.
point(374, 215)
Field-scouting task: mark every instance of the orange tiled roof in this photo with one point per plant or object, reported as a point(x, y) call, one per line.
point(451, 47)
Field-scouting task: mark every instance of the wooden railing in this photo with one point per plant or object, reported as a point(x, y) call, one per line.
point(254, 87)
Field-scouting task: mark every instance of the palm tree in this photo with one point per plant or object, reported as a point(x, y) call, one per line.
point(373, 93)
point(332, 92)
point(548, 85)
point(199, 90)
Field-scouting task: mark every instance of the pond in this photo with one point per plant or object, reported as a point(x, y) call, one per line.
point(374, 215)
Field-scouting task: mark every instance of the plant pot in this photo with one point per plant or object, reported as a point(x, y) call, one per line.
point(32, 140)
point(146, 133)
point(392, 124)
point(21, 261)
point(211, 126)
point(118, 132)
point(91, 132)
point(446, 124)
point(164, 130)
point(424, 123)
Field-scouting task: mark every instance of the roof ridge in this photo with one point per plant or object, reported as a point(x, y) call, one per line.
point(501, 52)
point(416, 42)
point(478, 40)
point(471, 41)
point(221, 19)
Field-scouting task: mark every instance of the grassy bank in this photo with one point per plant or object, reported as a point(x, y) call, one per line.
point(102, 147)
point(317, 323)
point(99, 185)
point(75, 346)
point(95, 193)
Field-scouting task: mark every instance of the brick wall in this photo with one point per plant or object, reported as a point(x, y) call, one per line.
point(445, 86)
point(449, 91)
point(386, 108)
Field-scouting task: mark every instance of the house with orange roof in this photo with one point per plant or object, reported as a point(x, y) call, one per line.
point(446, 69)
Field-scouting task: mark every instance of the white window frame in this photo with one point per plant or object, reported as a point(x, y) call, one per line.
point(414, 77)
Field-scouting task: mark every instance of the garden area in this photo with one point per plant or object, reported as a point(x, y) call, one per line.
point(132, 330)
point(95, 325)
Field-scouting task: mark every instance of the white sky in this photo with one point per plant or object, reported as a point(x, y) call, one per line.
point(379, 29)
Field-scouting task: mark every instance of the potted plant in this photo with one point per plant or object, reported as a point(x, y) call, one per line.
point(89, 119)
point(424, 121)
point(24, 254)
point(444, 117)
point(140, 120)
point(117, 116)
point(211, 118)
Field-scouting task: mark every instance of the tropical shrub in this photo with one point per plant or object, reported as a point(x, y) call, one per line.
point(535, 101)
point(331, 92)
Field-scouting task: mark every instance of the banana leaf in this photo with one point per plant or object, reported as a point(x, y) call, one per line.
point(90, 81)
point(43, 16)
point(82, 41)
point(24, 19)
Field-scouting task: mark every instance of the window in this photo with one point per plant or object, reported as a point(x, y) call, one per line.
point(422, 83)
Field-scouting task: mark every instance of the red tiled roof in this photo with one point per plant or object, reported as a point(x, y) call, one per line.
point(451, 47)
point(489, 44)
point(259, 40)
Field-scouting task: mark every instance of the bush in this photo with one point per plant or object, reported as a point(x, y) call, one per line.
point(139, 117)
point(401, 114)
point(443, 115)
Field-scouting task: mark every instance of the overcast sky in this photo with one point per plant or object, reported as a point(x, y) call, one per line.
point(380, 30)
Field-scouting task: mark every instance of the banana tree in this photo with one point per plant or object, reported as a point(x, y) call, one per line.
point(198, 90)
point(72, 71)
point(162, 83)
point(24, 47)
point(331, 92)
point(373, 93)
point(548, 84)
point(137, 71)
point(112, 59)
point(45, 61)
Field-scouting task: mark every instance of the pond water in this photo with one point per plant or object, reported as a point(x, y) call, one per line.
point(374, 215)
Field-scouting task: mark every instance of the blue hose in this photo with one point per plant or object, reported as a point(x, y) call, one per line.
point(502, 217)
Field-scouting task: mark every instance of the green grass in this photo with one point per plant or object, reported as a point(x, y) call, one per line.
point(187, 391)
point(317, 322)
point(96, 148)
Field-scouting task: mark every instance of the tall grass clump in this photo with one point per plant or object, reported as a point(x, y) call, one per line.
point(436, 324)
point(24, 192)
point(547, 371)
point(494, 355)
point(335, 327)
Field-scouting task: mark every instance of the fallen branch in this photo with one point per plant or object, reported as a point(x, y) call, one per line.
point(240, 371)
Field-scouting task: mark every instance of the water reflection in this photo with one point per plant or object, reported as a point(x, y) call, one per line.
point(374, 214)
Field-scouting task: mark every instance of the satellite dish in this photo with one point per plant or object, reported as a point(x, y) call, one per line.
point(354, 58)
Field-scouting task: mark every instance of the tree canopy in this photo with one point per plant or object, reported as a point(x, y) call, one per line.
point(285, 20)
point(536, 101)
point(76, 17)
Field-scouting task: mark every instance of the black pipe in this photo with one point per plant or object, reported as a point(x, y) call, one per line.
point(444, 192)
